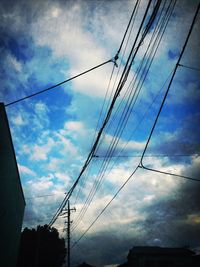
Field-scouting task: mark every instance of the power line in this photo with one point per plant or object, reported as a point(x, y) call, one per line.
point(188, 67)
point(107, 205)
point(119, 68)
point(82, 73)
point(41, 196)
point(100, 114)
point(58, 84)
point(110, 152)
point(168, 173)
point(85, 207)
point(170, 83)
point(92, 192)
point(118, 132)
point(115, 140)
point(131, 18)
point(121, 83)
point(131, 21)
point(145, 68)
point(140, 165)
point(150, 155)
point(141, 120)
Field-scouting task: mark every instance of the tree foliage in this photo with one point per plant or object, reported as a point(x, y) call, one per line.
point(41, 247)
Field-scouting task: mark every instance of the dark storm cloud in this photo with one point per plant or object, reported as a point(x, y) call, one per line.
point(105, 248)
point(169, 221)
point(176, 220)
point(183, 141)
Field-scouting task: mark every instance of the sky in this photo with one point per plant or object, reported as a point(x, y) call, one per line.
point(46, 42)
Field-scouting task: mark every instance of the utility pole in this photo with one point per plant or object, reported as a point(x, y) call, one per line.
point(67, 228)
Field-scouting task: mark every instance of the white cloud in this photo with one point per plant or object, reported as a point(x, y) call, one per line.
point(14, 63)
point(77, 131)
point(149, 198)
point(25, 149)
point(42, 184)
point(95, 83)
point(62, 176)
point(55, 12)
point(142, 190)
point(116, 176)
point(123, 145)
point(41, 108)
point(40, 118)
point(76, 126)
point(18, 120)
point(79, 44)
point(54, 164)
point(40, 152)
point(25, 170)
point(68, 147)
point(74, 129)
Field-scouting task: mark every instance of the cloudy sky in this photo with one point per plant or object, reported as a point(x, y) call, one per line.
point(46, 42)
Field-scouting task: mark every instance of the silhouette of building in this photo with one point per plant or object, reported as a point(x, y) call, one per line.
point(144, 256)
point(12, 202)
point(84, 264)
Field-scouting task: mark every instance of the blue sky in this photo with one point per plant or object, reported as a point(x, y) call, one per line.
point(45, 42)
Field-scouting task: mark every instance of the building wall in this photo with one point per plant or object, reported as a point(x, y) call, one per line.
point(12, 201)
point(166, 261)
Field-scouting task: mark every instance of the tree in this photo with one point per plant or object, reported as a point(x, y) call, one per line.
point(41, 247)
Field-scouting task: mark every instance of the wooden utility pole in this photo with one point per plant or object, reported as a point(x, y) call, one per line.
point(68, 224)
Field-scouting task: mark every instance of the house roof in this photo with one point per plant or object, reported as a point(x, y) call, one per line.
point(84, 264)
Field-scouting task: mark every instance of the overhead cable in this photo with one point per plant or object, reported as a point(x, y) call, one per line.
point(140, 165)
point(107, 205)
point(168, 173)
point(90, 197)
point(58, 84)
point(82, 73)
point(188, 67)
point(151, 155)
point(170, 83)
point(110, 151)
point(118, 90)
point(41, 196)
point(111, 147)
point(130, 20)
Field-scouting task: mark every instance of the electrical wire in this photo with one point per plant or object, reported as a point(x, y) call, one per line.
point(188, 67)
point(107, 205)
point(41, 196)
point(170, 83)
point(58, 84)
point(132, 20)
point(89, 199)
point(91, 195)
point(140, 165)
point(119, 68)
point(137, 74)
point(94, 189)
point(118, 90)
point(151, 155)
point(128, 26)
point(168, 173)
